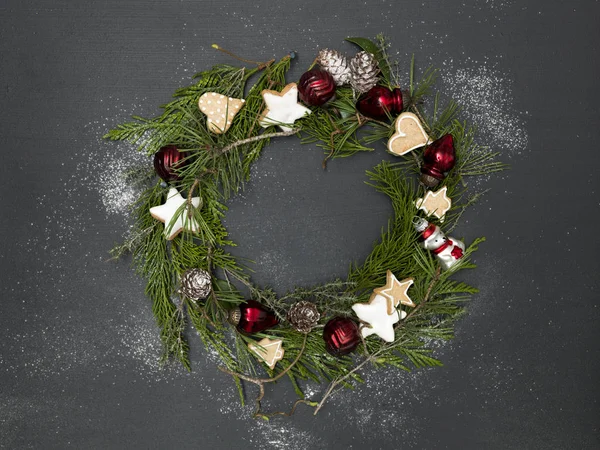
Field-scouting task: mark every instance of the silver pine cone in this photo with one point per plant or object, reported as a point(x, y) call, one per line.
point(364, 72)
point(336, 64)
point(195, 284)
point(303, 316)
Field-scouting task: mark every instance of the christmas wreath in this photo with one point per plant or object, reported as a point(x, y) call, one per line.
point(391, 307)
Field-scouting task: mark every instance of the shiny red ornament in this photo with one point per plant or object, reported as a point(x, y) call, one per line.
point(438, 158)
point(167, 160)
point(376, 101)
point(252, 317)
point(341, 336)
point(316, 87)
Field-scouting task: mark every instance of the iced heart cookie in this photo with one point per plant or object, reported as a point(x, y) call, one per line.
point(409, 134)
point(220, 110)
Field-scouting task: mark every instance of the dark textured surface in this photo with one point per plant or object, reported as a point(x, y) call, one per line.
point(77, 342)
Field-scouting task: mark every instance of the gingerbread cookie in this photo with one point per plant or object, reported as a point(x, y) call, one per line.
point(269, 351)
point(435, 203)
point(220, 110)
point(283, 108)
point(166, 212)
point(409, 134)
point(396, 292)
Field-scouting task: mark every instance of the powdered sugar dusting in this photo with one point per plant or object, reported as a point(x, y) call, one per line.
point(487, 102)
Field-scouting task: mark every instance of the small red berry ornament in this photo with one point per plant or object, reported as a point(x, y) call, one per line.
point(252, 317)
point(376, 101)
point(341, 336)
point(316, 87)
point(167, 160)
point(438, 158)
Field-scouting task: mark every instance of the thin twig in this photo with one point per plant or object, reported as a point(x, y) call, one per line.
point(261, 65)
point(260, 382)
point(254, 139)
point(189, 198)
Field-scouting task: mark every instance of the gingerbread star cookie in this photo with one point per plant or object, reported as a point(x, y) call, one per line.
point(269, 351)
point(435, 203)
point(396, 292)
point(409, 134)
point(220, 110)
point(283, 108)
point(168, 210)
point(375, 313)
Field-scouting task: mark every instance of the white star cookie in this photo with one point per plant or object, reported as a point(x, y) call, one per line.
point(375, 313)
point(282, 108)
point(167, 211)
point(435, 203)
point(219, 110)
point(270, 351)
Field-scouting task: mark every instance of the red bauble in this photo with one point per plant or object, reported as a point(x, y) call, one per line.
point(252, 317)
point(166, 160)
point(438, 158)
point(316, 87)
point(375, 102)
point(341, 336)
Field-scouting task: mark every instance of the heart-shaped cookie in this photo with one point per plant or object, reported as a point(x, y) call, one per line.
point(409, 134)
point(220, 110)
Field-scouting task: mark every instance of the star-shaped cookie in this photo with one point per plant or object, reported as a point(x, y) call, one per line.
point(283, 108)
point(396, 292)
point(167, 211)
point(375, 313)
point(435, 203)
point(269, 351)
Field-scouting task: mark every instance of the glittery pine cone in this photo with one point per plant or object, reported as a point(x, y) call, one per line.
point(364, 72)
point(195, 284)
point(336, 64)
point(303, 316)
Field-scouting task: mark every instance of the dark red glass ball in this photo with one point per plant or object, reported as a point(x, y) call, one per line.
point(341, 336)
point(252, 317)
point(316, 87)
point(438, 158)
point(375, 102)
point(167, 160)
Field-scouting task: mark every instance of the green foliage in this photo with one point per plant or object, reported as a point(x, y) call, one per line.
point(218, 166)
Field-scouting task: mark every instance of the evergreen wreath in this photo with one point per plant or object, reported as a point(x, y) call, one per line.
point(308, 333)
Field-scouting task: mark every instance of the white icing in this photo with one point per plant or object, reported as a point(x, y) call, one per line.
point(375, 314)
point(167, 211)
point(283, 108)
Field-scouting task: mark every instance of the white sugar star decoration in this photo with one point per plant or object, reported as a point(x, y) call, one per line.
point(167, 211)
point(282, 108)
point(435, 203)
point(375, 313)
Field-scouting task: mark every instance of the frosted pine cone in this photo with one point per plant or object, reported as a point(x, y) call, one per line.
point(364, 72)
point(303, 316)
point(336, 64)
point(195, 284)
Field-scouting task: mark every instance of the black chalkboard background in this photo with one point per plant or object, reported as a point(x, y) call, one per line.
point(78, 345)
